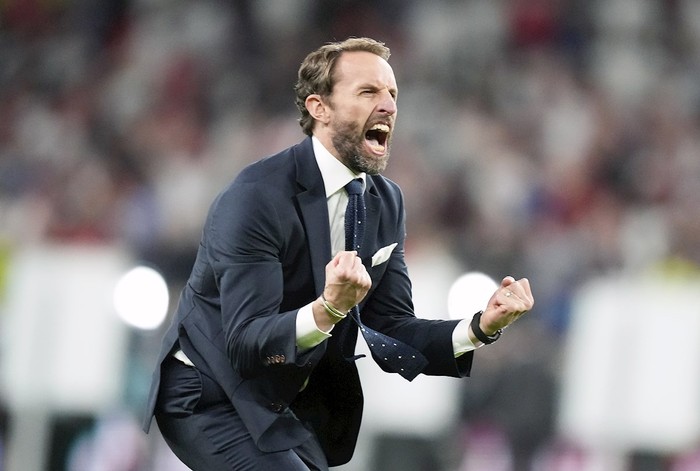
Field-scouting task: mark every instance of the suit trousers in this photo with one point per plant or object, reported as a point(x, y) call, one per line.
point(203, 429)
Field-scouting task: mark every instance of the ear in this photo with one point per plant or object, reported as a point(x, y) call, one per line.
point(317, 108)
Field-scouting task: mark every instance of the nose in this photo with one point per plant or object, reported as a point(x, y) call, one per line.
point(387, 103)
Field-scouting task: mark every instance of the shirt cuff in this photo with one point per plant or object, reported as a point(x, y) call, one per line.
point(308, 333)
point(461, 343)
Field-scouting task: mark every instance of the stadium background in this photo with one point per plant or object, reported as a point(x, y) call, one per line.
point(553, 139)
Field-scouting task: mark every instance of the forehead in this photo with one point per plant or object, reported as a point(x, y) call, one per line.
point(356, 68)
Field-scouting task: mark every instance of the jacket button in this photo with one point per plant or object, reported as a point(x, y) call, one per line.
point(276, 407)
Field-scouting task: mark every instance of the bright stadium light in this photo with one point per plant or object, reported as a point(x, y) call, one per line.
point(469, 293)
point(141, 298)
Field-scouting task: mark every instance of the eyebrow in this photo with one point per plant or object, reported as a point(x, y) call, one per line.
point(393, 90)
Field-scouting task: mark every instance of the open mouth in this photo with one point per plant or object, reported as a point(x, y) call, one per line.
point(376, 138)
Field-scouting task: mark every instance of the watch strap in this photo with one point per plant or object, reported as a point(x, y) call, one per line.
point(479, 334)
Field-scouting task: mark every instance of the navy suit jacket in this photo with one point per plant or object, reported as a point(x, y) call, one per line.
point(263, 253)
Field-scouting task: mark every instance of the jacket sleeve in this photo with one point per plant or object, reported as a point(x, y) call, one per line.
point(389, 307)
point(245, 239)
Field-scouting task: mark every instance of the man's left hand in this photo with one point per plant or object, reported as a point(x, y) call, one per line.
point(510, 301)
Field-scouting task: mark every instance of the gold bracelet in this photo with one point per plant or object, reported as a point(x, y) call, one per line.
point(331, 310)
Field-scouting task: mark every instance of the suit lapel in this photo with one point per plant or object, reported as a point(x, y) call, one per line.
point(314, 211)
point(373, 203)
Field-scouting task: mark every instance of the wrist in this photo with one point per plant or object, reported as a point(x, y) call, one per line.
point(479, 333)
point(334, 313)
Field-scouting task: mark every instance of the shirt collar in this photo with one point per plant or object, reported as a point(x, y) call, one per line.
point(335, 175)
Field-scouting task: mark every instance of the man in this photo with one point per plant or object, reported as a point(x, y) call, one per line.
point(256, 371)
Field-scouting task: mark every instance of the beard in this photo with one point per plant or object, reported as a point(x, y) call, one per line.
point(349, 142)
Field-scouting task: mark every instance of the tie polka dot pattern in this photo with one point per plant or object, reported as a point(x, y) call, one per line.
point(393, 354)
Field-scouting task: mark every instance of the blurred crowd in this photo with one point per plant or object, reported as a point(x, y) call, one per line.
point(553, 139)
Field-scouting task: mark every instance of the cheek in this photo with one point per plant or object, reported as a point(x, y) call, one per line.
point(349, 128)
point(356, 112)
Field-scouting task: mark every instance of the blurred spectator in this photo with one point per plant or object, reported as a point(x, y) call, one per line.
point(557, 138)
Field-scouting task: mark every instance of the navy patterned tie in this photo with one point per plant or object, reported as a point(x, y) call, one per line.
point(395, 355)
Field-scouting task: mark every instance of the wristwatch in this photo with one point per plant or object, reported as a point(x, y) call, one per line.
point(479, 334)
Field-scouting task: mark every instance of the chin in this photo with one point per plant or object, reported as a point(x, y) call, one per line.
point(372, 165)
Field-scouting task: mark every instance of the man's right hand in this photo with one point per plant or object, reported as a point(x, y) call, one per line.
point(347, 283)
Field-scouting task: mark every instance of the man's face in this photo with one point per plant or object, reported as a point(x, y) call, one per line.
point(363, 111)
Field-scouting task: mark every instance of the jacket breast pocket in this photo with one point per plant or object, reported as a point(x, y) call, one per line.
point(378, 262)
point(377, 272)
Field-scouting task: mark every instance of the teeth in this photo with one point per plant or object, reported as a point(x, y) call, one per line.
point(380, 127)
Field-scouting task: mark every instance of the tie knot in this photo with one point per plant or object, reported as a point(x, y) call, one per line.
point(354, 187)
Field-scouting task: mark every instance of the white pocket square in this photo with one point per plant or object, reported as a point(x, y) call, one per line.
point(383, 254)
